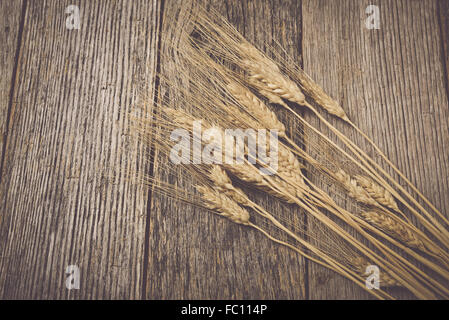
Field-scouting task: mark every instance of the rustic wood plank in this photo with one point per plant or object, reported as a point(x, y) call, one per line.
point(195, 254)
point(391, 83)
point(10, 22)
point(59, 204)
point(443, 10)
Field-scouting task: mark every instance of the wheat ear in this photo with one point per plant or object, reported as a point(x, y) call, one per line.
point(398, 230)
point(354, 190)
point(290, 169)
point(266, 76)
point(268, 79)
point(257, 108)
point(224, 41)
point(251, 175)
point(223, 184)
point(378, 193)
point(365, 190)
point(314, 91)
point(223, 205)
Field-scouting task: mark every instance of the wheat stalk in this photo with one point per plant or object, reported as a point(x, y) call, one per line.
point(382, 195)
point(289, 166)
point(225, 200)
point(261, 67)
point(431, 224)
point(280, 186)
point(361, 188)
point(264, 75)
point(365, 191)
point(221, 204)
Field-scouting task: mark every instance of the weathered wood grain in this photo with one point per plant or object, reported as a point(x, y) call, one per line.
point(443, 10)
point(391, 83)
point(195, 254)
point(61, 204)
point(10, 22)
point(65, 200)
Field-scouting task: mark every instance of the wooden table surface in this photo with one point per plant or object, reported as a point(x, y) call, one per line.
point(64, 95)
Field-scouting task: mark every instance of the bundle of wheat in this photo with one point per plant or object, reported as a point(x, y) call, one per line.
point(228, 83)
